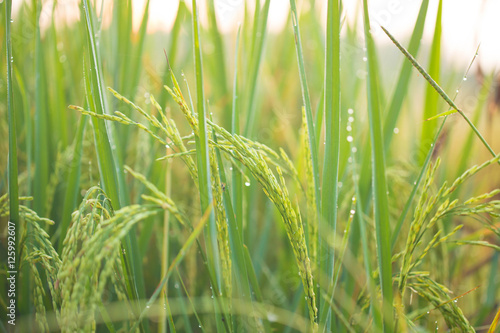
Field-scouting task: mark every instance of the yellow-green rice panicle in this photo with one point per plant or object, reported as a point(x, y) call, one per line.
point(221, 220)
point(297, 237)
point(312, 211)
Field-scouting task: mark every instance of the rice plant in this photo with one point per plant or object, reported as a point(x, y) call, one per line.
point(199, 180)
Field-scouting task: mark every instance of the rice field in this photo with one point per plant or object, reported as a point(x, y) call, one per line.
point(200, 180)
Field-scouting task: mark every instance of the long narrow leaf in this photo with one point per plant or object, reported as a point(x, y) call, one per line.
point(202, 153)
point(259, 35)
point(379, 185)
point(13, 185)
point(404, 77)
point(431, 96)
point(329, 200)
point(71, 194)
point(439, 90)
point(111, 173)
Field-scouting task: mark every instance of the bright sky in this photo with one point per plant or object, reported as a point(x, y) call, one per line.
point(466, 23)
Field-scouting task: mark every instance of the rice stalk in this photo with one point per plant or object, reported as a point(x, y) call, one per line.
point(440, 91)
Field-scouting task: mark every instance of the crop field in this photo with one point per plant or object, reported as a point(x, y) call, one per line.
point(245, 179)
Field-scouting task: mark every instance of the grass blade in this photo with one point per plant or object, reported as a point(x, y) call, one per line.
point(219, 65)
point(133, 81)
point(237, 177)
point(494, 323)
point(72, 189)
point(431, 96)
point(439, 90)
point(332, 153)
point(379, 186)
point(13, 183)
point(13, 186)
point(259, 35)
point(172, 59)
point(202, 155)
point(111, 173)
point(404, 77)
point(483, 98)
point(306, 101)
point(42, 148)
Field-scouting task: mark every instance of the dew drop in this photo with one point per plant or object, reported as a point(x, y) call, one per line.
point(247, 184)
point(352, 212)
point(349, 138)
point(350, 119)
point(465, 78)
point(365, 58)
point(354, 149)
point(349, 128)
point(396, 130)
point(350, 111)
point(147, 306)
point(167, 146)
